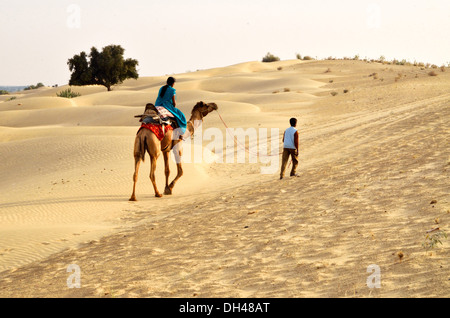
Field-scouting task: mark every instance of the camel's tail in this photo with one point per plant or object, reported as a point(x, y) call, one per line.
point(140, 146)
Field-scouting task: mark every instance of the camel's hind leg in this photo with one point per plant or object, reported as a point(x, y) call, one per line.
point(137, 162)
point(153, 177)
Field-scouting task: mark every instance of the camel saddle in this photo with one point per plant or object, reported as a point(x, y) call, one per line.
point(157, 115)
point(158, 119)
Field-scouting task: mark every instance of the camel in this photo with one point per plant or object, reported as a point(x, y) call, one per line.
point(147, 141)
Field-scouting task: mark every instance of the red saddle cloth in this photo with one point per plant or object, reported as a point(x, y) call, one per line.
point(156, 129)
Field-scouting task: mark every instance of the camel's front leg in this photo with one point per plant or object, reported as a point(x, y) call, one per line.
point(179, 175)
point(135, 177)
point(153, 177)
point(178, 152)
point(167, 190)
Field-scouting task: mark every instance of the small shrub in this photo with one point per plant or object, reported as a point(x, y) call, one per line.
point(280, 68)
point(328, 70)
point(432, 240)
point(68, 93)
point(298, 56)
point(397, 62)
point(442, 68)
point(399, 76)
point(346, 91)
point(12, 98)
point(286, 90)
point(3, 92)
point(432, 73)
point(334, 93)
point(308, 58)
point(270, 58)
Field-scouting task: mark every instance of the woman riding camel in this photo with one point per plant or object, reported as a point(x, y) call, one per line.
point(167, 99)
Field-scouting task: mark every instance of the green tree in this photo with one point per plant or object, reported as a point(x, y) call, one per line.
point(106, 68)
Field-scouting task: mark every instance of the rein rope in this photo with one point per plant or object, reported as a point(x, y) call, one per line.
point(237, 143)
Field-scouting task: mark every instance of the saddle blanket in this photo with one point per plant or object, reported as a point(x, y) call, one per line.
point(156, 129)
point(163, 112)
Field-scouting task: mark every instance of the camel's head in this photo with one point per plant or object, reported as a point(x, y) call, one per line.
point(202, 109)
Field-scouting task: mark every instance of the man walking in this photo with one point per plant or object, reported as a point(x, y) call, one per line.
point(290, 141)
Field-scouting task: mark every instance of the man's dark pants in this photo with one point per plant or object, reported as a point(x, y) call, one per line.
point(286, 154)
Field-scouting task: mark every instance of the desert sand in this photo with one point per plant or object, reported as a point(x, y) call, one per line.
point(373, 179)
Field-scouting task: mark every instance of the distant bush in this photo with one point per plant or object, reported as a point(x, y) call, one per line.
point(270, 58)
point(308, 58)
point(68, 93)
point(298, 56)
point(432, 73)
point(3, 92)
point(38, 85)
point(12, 98)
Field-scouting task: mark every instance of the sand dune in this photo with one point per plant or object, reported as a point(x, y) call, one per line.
point(372, 159)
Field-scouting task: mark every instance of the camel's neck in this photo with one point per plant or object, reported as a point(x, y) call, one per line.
point(193, 124)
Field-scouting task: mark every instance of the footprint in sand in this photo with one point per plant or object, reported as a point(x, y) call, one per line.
point(5, 251)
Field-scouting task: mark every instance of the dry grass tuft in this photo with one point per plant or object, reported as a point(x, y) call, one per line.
point(432, 73)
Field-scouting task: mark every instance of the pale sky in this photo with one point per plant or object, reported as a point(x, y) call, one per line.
point(175, 36)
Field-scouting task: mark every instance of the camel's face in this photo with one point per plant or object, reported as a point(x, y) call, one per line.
point(212, 107)
point(204, 108)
